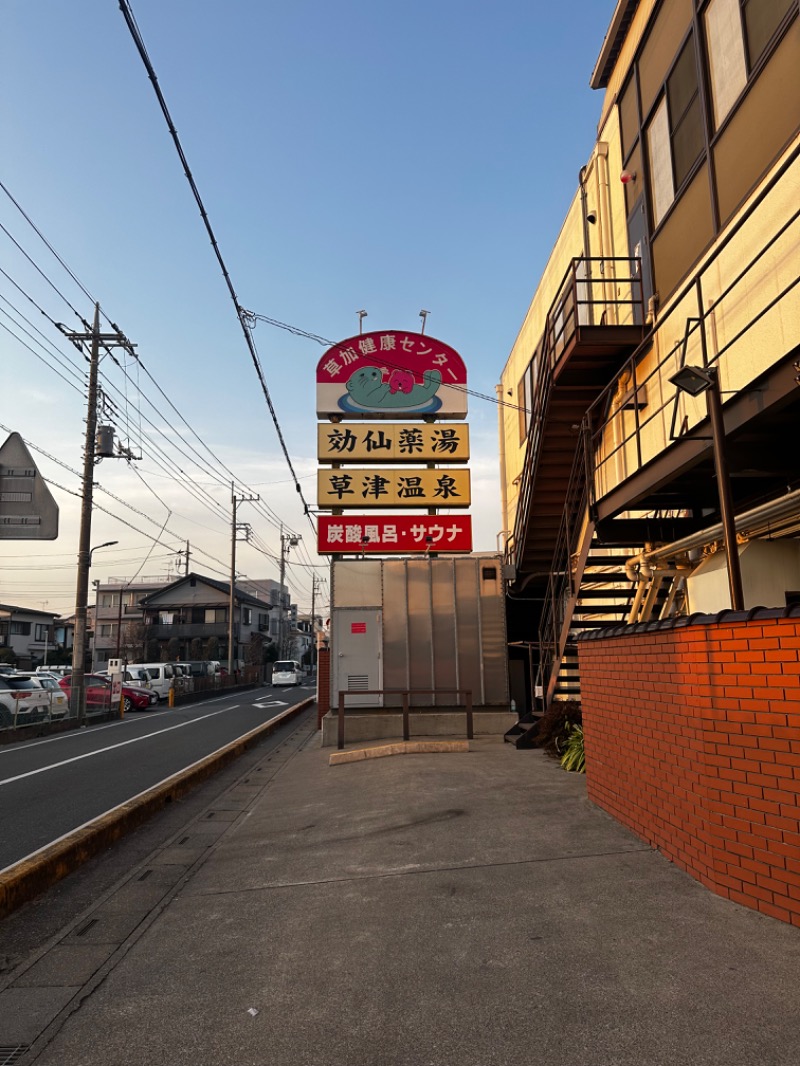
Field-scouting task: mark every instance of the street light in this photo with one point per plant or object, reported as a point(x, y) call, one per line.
point(695, 380)
point(107, 544)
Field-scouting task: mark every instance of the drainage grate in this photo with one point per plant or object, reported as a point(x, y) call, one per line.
point(182, 841)
point(145, 875)
point(12, 1053)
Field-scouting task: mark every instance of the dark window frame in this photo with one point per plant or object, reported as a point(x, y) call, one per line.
point(679, 189)
point(752, 69)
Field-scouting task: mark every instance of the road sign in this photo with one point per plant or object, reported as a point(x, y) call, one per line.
point(27, 508)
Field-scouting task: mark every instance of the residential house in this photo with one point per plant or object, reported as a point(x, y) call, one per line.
point(304, 634)
point(26, 634)
point(283, 619)
point(119, 618)
point(189, 618)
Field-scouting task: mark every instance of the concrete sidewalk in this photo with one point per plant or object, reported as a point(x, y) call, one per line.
point(465, 909)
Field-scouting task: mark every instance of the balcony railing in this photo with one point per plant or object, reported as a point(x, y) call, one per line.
point(598, 300)
point(727, 316)
point(189, 630)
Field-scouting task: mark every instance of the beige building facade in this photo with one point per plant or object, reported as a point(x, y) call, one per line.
point(679, 252)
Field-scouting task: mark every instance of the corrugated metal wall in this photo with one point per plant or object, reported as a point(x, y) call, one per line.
point(443, 623)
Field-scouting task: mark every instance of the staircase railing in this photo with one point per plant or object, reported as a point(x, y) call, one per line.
point(583, 299)
point(569, 561)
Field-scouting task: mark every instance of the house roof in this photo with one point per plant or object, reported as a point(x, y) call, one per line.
point(221, 586)
point(27, 610)
point(612, 45)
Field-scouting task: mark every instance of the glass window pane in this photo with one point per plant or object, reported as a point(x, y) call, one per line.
point(762, 18)
point(629, 117)
point(661, 184)
point(726, 66)
point(682, 83)
point(687, 142)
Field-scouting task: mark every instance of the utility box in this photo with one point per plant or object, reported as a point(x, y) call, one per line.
point(433, 624)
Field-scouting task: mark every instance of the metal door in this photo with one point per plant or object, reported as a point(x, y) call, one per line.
point(357, 641)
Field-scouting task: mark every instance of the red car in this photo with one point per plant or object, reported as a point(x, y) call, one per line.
point(98, 694)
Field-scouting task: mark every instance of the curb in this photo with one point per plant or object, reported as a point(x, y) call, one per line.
point(24, 880)
point(407, 747)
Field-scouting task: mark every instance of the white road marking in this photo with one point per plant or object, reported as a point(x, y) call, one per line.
point(69, 833)
point(111, 747)
point(70, 734)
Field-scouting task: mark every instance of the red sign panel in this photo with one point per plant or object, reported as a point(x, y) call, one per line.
point(393, 534)
point(391, 374)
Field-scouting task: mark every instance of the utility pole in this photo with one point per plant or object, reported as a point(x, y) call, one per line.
point(188, 554)
point(95, 339)
point(235, 528)
point(313, 621)
point(288, 540)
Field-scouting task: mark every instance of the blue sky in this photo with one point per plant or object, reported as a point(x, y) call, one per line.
point(351, 155)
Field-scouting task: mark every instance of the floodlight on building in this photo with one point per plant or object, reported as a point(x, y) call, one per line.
point(692, 379)
point(696, 380)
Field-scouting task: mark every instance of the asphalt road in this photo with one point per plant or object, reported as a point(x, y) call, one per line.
point(49, 787)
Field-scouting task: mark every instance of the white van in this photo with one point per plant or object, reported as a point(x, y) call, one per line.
point(161, 676)
point(287, 672)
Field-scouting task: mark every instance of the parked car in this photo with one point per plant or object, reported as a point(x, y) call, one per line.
point(98, 694)
point(23, 700)
point(136, 675)
point(58, 702)
point(161, 676)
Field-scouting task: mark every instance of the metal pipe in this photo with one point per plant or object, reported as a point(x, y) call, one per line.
point(786, 506)
point(714, 402)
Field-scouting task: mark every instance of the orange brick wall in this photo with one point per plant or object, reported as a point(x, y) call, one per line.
point(323, 684)
point(692, 740)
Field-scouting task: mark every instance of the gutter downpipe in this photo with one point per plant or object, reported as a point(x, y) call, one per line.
point(503, 476)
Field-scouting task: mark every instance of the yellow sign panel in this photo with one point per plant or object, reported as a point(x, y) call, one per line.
point(379, 442)
point(350, 487)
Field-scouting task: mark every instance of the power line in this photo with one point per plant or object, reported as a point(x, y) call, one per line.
point(185, 479)
point(252, 317)
point(130, 21)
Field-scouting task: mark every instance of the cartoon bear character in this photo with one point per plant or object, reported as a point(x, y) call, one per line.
point(401, 381)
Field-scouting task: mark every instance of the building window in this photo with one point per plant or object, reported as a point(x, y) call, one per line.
point(20, 629)
point(675, 139)
point(109, 599)
point(215, 615)
point(247, 616)
point(738, 33)
point(726, 65)
point(42, 632)
point(106, 630)
point(761, 20)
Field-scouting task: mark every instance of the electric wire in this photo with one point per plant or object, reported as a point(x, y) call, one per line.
point(107, 492)
point(200, 498)
point(253, 317)
point(19, 340)
point(138, 40)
